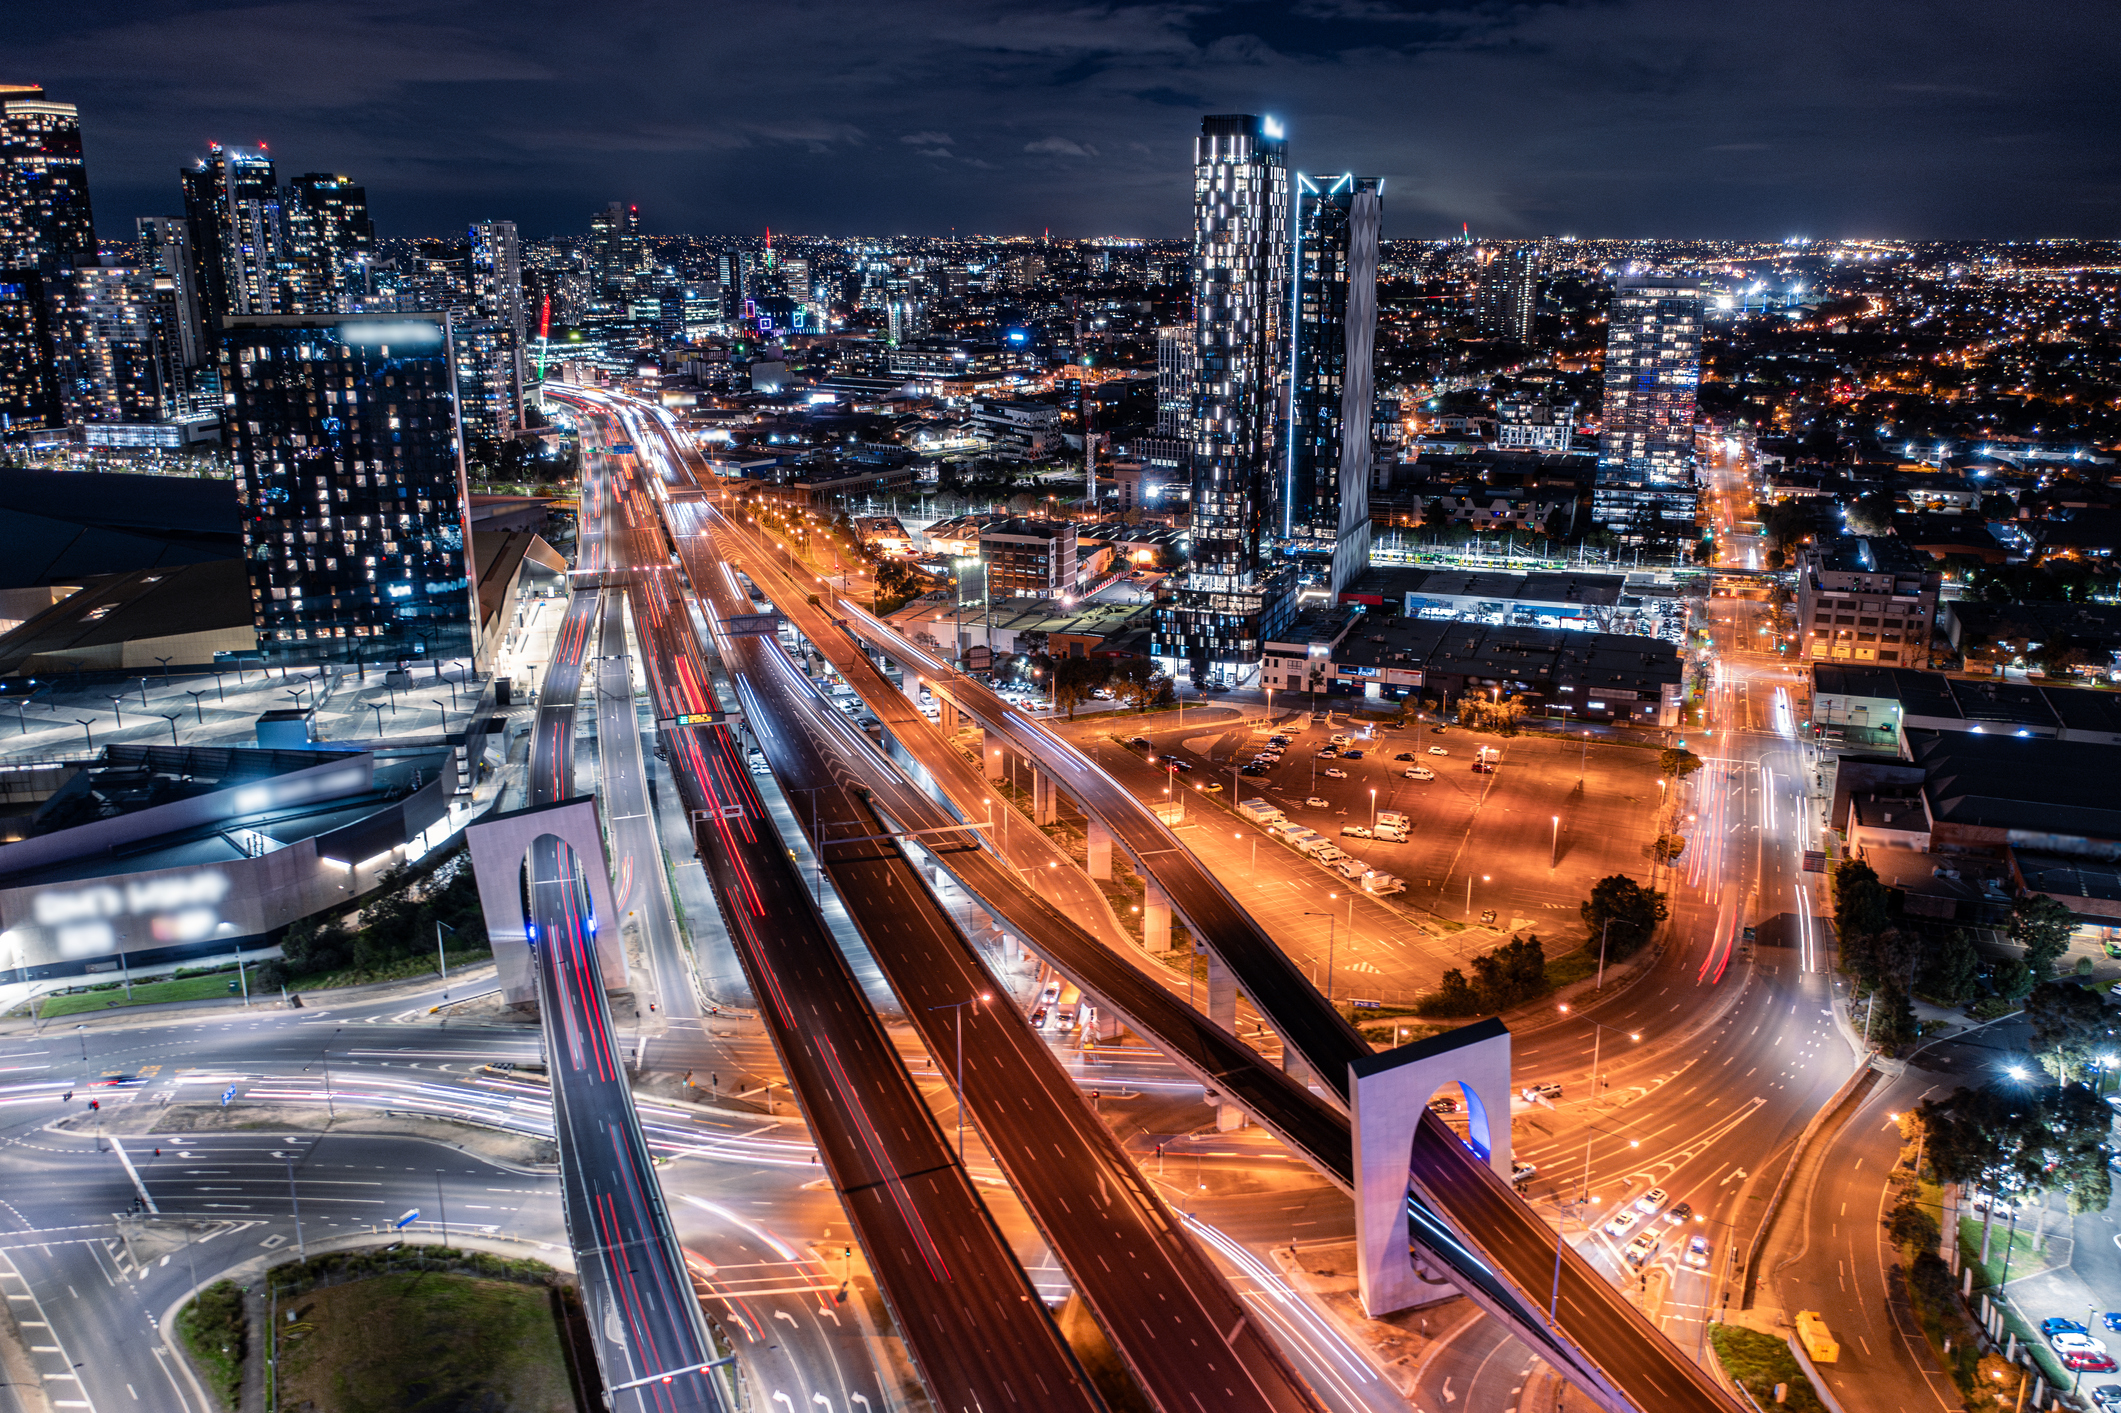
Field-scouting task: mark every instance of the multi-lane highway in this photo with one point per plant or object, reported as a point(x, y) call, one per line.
point(969, 1316)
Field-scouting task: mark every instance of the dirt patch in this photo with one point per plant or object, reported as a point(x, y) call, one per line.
point(423, 1342)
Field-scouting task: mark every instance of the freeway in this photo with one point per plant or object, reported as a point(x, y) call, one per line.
point(1501, 1251)
point(970, 1317)
point(651, 1337)
point(1181, 1330)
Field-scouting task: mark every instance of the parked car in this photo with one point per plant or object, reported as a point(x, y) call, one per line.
point(1351, 755)
point(1356, 831)
point(1329, 753)
point(2077, 1344)
point(1334, 772)
point(1533, 1093)
point(2089, 1363)
point(1404, 755)
point(2107, 1396)
point(1255, 768)
point(1312, 802)
point(1438, 751)
point(2111, 1319)
point(2055, 1325)
point(1418, 772)
point(1483, 767)
point(1142, 742)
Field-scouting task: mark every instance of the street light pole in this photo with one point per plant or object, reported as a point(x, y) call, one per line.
point(959, 1007)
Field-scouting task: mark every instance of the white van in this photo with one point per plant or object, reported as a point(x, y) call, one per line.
point(1260, 811)
point(1391, 819)
point(1286, 829)
point(1378, 884)
point(1350, 868)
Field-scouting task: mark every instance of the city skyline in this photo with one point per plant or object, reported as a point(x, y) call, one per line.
point(1631, 119)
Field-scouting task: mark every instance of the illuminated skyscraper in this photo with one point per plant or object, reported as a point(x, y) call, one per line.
point(166, 253)
point(45, 220)
point(1645, 485)
point(617, 253)
point(330, 244)
point(1325, 474)
point(27, 395)
point(1507, 294)
point(232, 204)
point(112, 358)
point(351, 483)
point(1240, 301)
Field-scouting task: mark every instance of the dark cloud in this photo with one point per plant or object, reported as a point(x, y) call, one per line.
point(1619, 117)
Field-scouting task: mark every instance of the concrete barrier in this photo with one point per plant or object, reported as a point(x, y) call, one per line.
point(1850, 1089)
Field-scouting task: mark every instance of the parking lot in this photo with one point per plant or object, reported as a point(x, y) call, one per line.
point(1531, 837)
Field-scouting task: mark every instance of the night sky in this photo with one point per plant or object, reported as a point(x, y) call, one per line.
point(1933, 118)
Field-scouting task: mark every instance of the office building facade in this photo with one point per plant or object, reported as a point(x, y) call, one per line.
point(165, 252)
point(1324, 495)
point(1507, 294)
point(1646, 465)
point(356, 530)
point(113, 362)
point(1241, 213)
point(28, 396)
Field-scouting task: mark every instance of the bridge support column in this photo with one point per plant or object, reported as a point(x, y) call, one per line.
point(1099, 848)
point(910, 684)
point(994, 759)
point(1222, 993)
point(1042, 802)
point(498, 850)
point(1390, 1094)
point(1107, 1026)
point(1156, 919)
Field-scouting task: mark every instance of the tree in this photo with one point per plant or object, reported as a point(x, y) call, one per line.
point(2013, 979)
point(1955, 976)
point(1871, 514)
point(1774, 559)
point(1677, 762)
point(1453, 996)
point(1622, 913)
point(1514, 972)
point(2071, 1028)
point(1998, 506)
point(1557, 524)
point(2042, 927)
point(1859, 912)
point(1075, 679)
point(1668, 847)
point(1981, 1138)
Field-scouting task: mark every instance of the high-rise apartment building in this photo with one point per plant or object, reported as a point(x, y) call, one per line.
point(45, 220)
point(1240, 305)
point(1506, 295)
point(330, 243)
point(617, 253)
point(1324, 498)
point(112, 360)
point(1645, 486)
point(356, 528)
point(232, 205)
point(497, 274)
point(27, 395)
point(164, 251)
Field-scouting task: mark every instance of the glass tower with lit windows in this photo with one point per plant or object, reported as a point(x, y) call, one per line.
point(1645, 487)
point(45, 218)
point(1325, 474)
point(356, 526)
point(1240, 311)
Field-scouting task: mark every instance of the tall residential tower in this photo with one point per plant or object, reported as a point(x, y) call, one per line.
point(1645, 487)
point(1240, 302)
point(1324, 498)
point(44, 212)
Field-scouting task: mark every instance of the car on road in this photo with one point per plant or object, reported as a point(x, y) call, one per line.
point(1680, 1213)
point(1487, 915)
point(2055, 1325)
point(1522, 1172)
point(1141, 742)
point(1622, 1223)
point(1443, 1104)
point(1178, 764)
point(1698, 1252)
point(1312, 802)
point(1652, 1202)
point(1483, 767)
point(1533, 1093)
point(1436, 731)
point(1213, 787)
point(1404, 755)
point(1438, 751)
point(1334, 772)
point(1418, 772)
point(1641, 1249)
point(2086, 1362)
point(2107, 1396)
point(2067, 1343)
point(1356, 831)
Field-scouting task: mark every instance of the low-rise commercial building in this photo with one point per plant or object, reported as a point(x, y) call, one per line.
point(1866, 600)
